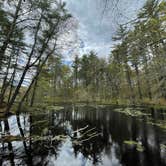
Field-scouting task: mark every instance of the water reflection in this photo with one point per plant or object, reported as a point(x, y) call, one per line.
point(106, 149)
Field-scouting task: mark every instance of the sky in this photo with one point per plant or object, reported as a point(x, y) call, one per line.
point(97, 23)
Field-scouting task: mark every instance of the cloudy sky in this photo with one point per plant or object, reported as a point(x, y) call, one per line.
point(97, 22)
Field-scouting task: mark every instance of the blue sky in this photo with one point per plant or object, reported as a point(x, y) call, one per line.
point(95, 27)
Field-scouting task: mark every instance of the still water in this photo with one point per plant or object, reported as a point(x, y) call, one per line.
point(82, 136)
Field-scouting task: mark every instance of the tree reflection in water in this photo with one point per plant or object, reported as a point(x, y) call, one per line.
point(104, 149)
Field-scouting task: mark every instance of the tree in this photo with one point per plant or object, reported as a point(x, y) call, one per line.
point(47, 24)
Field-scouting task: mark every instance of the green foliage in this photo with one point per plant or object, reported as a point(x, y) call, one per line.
point(40, 22)
point(134, 73)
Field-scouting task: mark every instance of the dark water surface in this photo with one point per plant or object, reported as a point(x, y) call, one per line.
point(28, 139)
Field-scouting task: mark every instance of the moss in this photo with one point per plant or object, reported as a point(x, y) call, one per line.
point(159, 123)
point(130, 142)
point(139, 146)
point(163, 147)
point(80, 104)
point(134, 112)
point(54, 108)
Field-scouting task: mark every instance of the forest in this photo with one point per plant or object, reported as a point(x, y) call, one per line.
point(36, 80)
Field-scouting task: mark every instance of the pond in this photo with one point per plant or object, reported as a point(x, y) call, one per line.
point(84, 136)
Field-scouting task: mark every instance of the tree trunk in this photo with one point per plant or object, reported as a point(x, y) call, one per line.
point(25, 69)
point(34, 79)
point(147, 78)
point(138, 81)
point(4, 84)
point(128, 78)
point(12, 79)
point(34, 92)
point(10, 33)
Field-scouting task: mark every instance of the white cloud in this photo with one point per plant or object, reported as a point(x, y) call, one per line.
point(95, 31)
